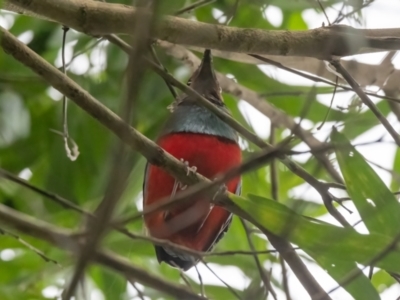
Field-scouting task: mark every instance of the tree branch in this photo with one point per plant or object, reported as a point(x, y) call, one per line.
point(154, 154)
point(62, 238)
point(364, 74)
point(281, 119)
point(285, 249)
point(164, 243)
point(120, 170)
point(98, 18)
point(277, 117)
point(366, 100)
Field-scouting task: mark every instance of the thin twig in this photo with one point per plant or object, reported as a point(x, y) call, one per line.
point(233, 13)
point(54, 197)
point(134, 139)
point(231, 289)
point(264, 275)
point(391, 172)
point(29, 246)
point(348, 198)
point(121, 167)
point(357, 272)
point(323, 10)
point(72, 153)
point(293, 166)
point(273, 167)
point(185, 280)
point(317, 79)
point(211, 187)
point(285, 281)
point(275, 196)
point(157, 61)
point(330, 105)
point(342, 16)
point(138, 291)
point(64, 239)
point(193, 6)
point(365, 99)
point(294, 261)
point(164, 243)
point(202, 290)
point(80, 52)
point(65, 107)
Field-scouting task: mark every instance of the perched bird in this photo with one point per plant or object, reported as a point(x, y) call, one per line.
point(206, 144)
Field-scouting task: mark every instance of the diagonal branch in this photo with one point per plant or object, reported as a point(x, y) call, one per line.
point(290, 164)
point(96, 227)
point(263, 274)
point(154, 154)
point(285, 249)
point(63, 239)
point(366, 100)
point(276, 116)
point(29, 246)
point(364, 74)
point(98, 18)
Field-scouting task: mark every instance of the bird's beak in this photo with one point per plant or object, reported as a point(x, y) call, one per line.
point(206, 67)
point(204, 80)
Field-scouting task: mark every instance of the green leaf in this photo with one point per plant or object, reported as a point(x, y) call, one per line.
point(344, 244)
point(296, 21)
point(395, 184)
point(378, 207)
point(382, 280)
point(327, 244)
point(112, 285)
point(359, 287)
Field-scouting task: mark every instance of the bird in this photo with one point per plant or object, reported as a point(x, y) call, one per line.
point(208, 146)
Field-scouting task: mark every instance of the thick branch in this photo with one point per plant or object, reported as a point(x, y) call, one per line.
point(153, 153)
point(293, 166)
point(285, 249)
point(130, 136)
point(99, 18)
point(364, 74)
point(277, 117)
point(62, 238)
point(120, 170)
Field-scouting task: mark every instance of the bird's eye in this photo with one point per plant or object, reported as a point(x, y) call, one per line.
point(189, 82)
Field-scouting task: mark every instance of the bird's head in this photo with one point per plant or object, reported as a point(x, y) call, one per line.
point(204, 80)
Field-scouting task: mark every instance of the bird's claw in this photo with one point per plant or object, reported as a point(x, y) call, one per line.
point(178, 184)
point(192, 169)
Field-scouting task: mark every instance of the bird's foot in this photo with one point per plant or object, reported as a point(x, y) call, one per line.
point(192, 169)
point(180, 185)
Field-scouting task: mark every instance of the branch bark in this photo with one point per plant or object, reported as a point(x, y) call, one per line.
point(62, 238)
point(383, 75)
point(277, 117)
point(154, 154)
point(365, 99)
point(98, 18)
point(292, 165)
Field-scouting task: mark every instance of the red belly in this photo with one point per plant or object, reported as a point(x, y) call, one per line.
point(197, 224)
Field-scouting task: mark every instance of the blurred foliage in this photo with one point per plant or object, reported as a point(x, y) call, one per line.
point(29, 109)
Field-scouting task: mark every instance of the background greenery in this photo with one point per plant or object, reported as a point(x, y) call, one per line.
point(29, 108)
